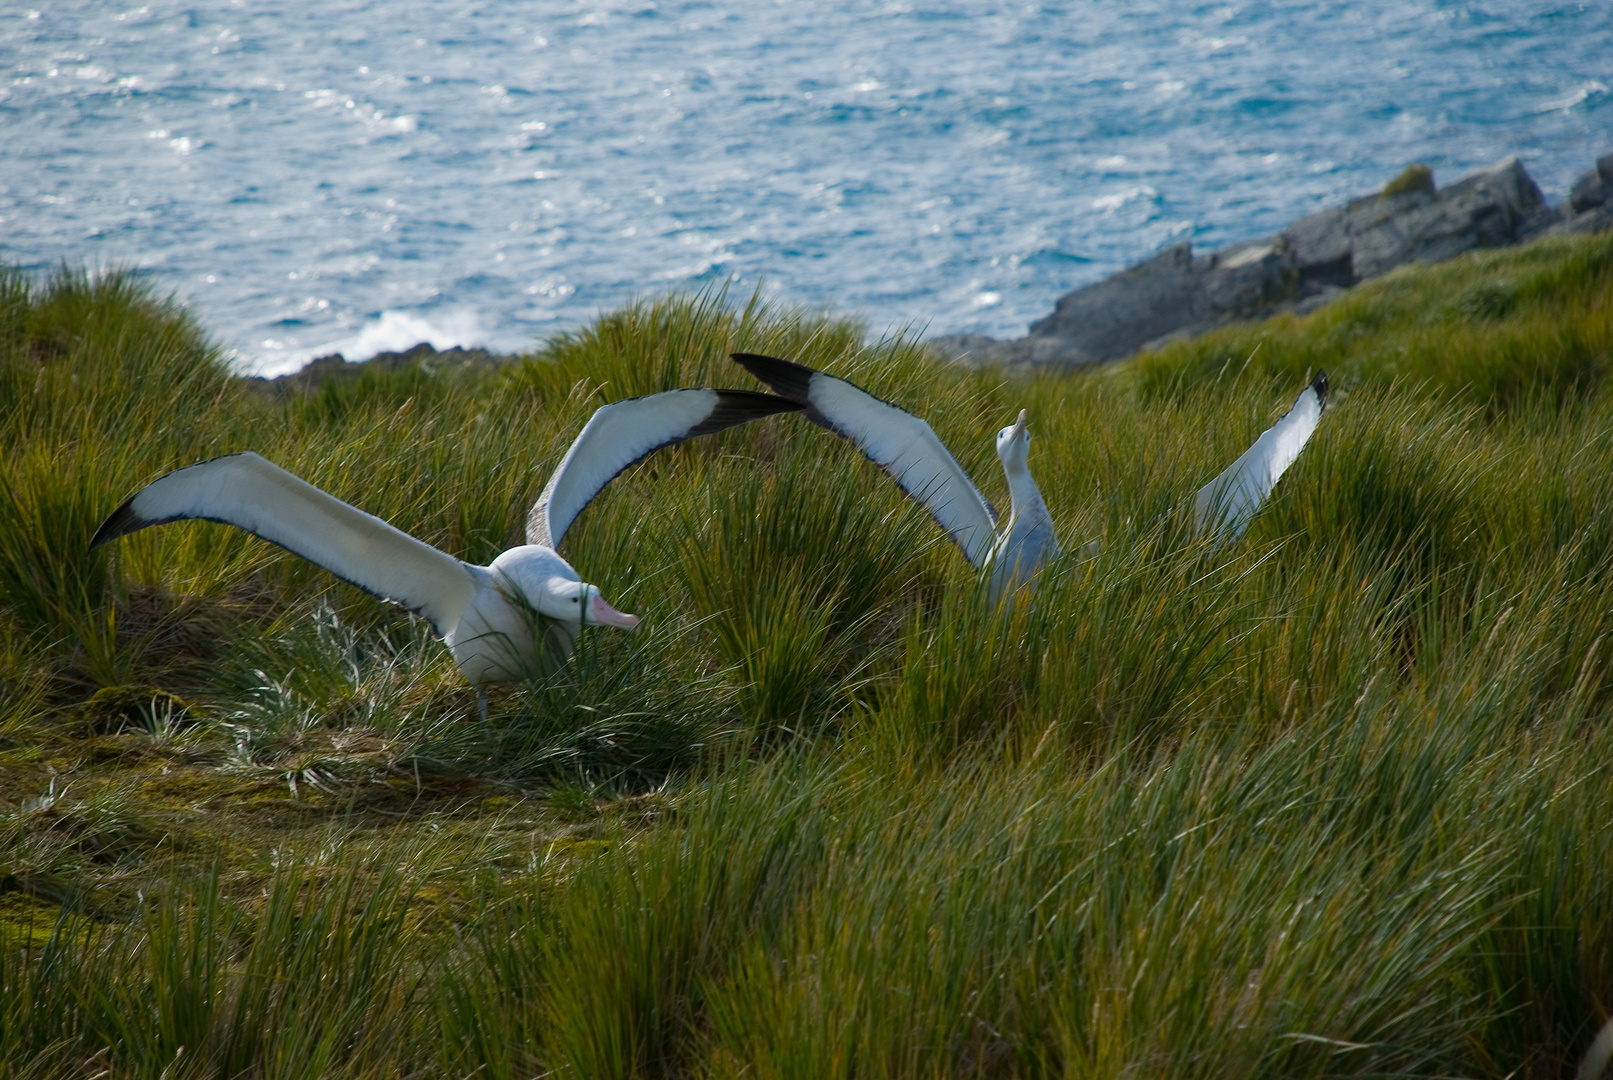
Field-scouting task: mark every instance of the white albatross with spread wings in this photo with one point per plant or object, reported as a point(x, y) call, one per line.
point(482, 613)
point(906, 448)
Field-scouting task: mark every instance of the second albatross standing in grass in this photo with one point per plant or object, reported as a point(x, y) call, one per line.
point(914, 456)
point(477, 610)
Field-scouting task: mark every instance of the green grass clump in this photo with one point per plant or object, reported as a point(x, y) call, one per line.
point(1329, 801)
point(1414, 177)
point(1497, 328)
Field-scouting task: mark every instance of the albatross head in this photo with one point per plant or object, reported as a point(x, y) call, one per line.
point(579, 603)
point(1013, 444)
point(549, 584)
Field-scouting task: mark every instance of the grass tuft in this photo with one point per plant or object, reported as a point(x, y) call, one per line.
point(1329, 801)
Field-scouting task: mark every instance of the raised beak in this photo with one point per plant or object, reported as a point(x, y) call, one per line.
point(605, 615)
point(1019, 425)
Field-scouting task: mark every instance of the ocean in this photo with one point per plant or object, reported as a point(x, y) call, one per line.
point(359, 175)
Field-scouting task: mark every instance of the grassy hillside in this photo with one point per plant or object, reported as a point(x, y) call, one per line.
point(1332, 801)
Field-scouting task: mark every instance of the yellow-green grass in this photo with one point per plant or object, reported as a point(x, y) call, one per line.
point(1332, 800)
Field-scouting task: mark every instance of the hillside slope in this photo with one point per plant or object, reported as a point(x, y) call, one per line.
point(1332, 801)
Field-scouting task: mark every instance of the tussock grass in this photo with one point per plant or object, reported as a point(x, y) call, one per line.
point(1494, 328)
point(1329, 801)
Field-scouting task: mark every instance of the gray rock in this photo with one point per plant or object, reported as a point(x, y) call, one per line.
point(1589, 207)
point(977, 350)
point(1175, 294)
point(1594, 220)
point(429, 360)
point(1322, 297)
point(1181, 333)
point(1247, 277)
point(1479, 211)
point(1309, 264)
point(1541, 220)
point(1111, 318)
point(1587, 193)
point(1372, 236)
point(1320, 246)
point(1172, 295)
point(1593, 189)
point(973, 350)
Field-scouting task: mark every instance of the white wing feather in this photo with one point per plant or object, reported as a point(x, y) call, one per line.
point(251, 493)
point(614, 437)
point(914, 456)
point(1225, 506)
point(624, 432)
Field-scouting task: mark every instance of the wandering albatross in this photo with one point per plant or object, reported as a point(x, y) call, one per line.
point(482, 613)
point(907, 449)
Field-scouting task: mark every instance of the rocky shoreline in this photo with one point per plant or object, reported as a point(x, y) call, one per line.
point(1178, 294)
point(335, 366)
point(1316, 259)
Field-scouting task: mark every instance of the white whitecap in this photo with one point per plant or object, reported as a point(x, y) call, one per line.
point(391, 331)
point(1108, 204)
point(398, 330)
point(1576, 96)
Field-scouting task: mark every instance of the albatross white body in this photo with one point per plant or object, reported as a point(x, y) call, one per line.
point(1028, 541)
point(484, 614)
point(910, 452)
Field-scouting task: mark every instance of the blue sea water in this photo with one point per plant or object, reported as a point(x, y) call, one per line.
point(361, 174)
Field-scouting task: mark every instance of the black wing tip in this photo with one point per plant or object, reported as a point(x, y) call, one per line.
point(740, 406)
point(787, 378)
point(1319, 384)
point(121, 522)
point(748, 359)
point(760, 401)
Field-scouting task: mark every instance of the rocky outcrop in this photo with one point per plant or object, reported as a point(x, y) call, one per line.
point(1590, 200)
point(1177, 293)
point(336, 366)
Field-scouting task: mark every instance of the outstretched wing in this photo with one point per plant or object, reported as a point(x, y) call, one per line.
point(626, 432)
point(895, 440)
point(1225, 506)
point(251, 493)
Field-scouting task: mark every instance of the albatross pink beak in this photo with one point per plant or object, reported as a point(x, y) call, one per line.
point(1019, 425)
point(605, 615)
